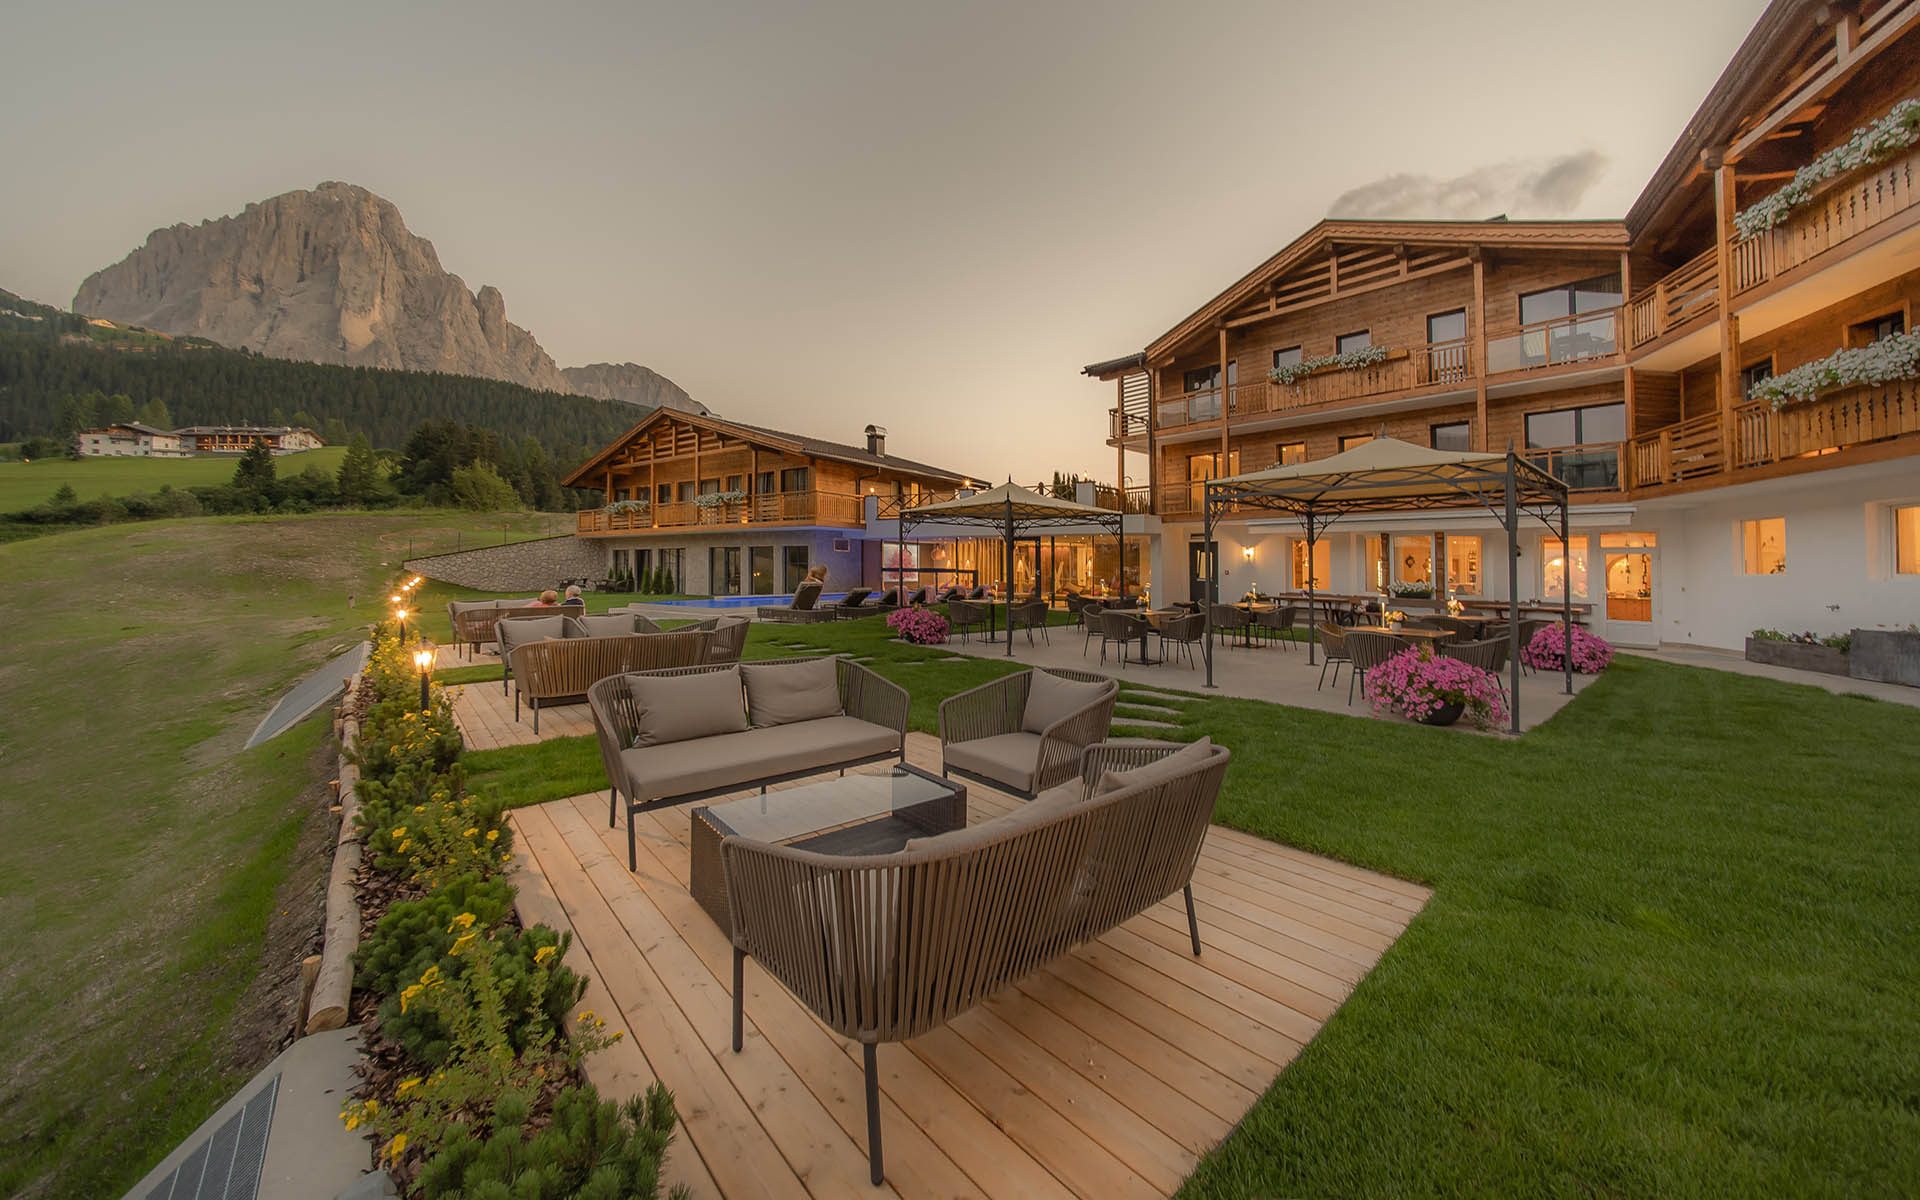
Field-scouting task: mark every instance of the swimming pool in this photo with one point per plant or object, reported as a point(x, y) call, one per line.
point(744, 601)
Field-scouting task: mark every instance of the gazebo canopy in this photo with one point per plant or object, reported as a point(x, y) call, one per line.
point(1023, 506)
point(1387, 474)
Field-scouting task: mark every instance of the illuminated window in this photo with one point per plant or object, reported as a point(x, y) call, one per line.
point(1554, 581)
point(1628, 541)
point(1463, 565)
point(1763, 546)
point(1322, 564)
point(1413, 560)
point(1289, 453)
point(1354, 441)
point(1906, 540)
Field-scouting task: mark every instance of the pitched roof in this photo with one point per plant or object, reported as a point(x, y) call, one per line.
point(796, 443)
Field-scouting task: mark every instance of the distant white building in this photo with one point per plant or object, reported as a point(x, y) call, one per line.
point(130, 439)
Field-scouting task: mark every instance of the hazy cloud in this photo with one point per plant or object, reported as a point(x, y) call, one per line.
point(1522, 188)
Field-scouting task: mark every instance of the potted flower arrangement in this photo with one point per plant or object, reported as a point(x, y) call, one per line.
point(921, 626)
point(1434, 691)
point(1549, 646)
point(1393, 618)
point(713, 505)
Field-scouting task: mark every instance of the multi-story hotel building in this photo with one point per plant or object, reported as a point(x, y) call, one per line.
point(1631, 358)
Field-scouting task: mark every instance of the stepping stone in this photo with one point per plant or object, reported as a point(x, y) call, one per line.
point(1157, 693)
point(1139, 723)
point(1142, 706)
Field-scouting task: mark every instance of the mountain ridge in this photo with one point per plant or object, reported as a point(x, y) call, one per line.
point(333, 275)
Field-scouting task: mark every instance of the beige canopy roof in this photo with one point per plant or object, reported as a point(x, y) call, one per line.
point(1027, 507)
point(1387, 473)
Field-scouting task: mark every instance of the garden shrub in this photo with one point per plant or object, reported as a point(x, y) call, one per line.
point(1547, 650)
point(592, 1149)
point(517, 971)
point(415, 934)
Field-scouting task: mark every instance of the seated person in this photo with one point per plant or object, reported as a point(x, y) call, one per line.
point(548, 599)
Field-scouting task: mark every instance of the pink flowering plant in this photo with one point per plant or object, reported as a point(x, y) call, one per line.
point(1417, 685)
point(1544, 653)
point(921, 626)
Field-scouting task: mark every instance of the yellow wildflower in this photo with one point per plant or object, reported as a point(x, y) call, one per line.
point(586, 1016)
point(430, 977)
point(395, 1148)
point(460, 943)
point(419, 808)
point(617, 1035)
point(399, 831)
point(352, 1119)
point(408, 993)
point(493, 835)
point(544, 953)
point(407, 1085)
point(463, 921)
point(470, 831)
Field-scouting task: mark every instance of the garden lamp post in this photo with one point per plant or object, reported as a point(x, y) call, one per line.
point(400, 615)
point(423, 660)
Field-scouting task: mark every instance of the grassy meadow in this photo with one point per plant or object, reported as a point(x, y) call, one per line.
point(144, 858)
point(23, 485)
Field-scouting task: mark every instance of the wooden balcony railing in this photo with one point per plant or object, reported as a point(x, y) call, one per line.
point(1761, 435)
point(1591, 468)
point(778, 508)
point(1580, 338)
point(1691, 291)
point(1123, 425)
point(1840, 211)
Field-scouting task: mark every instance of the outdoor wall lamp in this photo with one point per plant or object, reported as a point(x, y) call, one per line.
point(423, 660)
point(1247, 553)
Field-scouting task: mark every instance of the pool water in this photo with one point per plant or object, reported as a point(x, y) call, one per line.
point(744, 601)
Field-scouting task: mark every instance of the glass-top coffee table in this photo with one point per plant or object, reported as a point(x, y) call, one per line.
point(875, 813)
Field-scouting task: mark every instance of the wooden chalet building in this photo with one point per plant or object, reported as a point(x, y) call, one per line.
point(739, 510)
point(1628, 357)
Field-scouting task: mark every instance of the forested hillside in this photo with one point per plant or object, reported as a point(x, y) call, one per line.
point(48, 357)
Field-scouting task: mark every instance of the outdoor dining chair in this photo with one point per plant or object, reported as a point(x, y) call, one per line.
point(1333, 652)
point(1184, 633)
point(1489, 655)
point(1366, 651)
point(966, 618)
point(1120, 627)
point(1276, 624)
point(1030, 616)
point(1229, 620)
point(1090, 623)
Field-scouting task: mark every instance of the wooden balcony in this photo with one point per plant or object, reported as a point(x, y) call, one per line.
point(1589, 337)
point(1761, 435)
point(1840, 213)
point(778, 508)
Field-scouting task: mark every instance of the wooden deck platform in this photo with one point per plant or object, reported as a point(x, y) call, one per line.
point(1105, 1075)
point(486, 719)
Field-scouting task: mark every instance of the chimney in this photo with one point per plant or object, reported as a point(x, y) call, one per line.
point(876, 439)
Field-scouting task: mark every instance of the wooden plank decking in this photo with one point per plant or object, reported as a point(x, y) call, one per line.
point(1106, 1075)
point(486, 719)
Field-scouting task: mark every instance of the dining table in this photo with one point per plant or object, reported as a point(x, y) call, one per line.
point(1405, 631)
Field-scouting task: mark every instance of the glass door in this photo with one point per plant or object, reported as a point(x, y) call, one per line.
point(1199, 568)
point(1632, 603)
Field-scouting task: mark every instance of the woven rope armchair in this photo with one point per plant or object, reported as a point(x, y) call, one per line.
point(996, 710)
point(473, 624)
point(864, 695)
point(1333, 652)
point(729, 638)
point(1366, 651)
point(884, 948)
point(965, 617)
point(1030, 616)
point(1489, 655)
point(555, 669)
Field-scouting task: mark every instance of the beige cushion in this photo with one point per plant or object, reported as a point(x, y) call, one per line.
point(782, 693)
point(531, 629)
point(738, 759)
point(1192, 755)
point(676, 708)
point(1051, 698)
point(466, 606)
point(1009, 758)
point(605, 626)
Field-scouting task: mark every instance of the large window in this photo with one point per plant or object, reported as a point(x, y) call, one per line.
point(1353, 441)
point(1413, 560)
point(663, 494)
point(1554, 576)
point(1753, 375)
point(1455, 435)
point(765, 483)
point(723, 570)
point(760, 570)
point(1763, 546)
point(1347, 343)
point(1906, 540)
point(1464, 565)
point(1289, 357)
point(1598, 426)
point(1286, 454)
point(1562, 324)
point(1203, 390)
point(1629, 575)
point(1202, 467)
point(1570, 299)
point(794, 564)
point(796, 479)
point(1297, 565)
point(1446, 347)
point(684, 491)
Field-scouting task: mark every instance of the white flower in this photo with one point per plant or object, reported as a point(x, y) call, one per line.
point(1871, 143)
point(1890, 358)
point(1351, 360)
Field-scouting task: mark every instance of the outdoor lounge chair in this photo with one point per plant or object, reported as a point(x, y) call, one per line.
point(1366, 651)
point(850, 604)
point(802, 608)
point(1023, 733)
point(1333, 652)
point(887, 947)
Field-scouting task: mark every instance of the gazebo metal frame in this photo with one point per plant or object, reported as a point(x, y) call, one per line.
point(1321, 493)
point(1013, 510)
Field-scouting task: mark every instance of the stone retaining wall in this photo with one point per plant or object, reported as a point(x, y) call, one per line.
point(517, 566)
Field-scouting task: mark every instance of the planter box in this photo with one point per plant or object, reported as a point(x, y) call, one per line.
point(1801, 656)
point(1886, 655)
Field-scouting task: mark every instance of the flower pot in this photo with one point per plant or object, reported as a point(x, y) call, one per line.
point(1446, 714)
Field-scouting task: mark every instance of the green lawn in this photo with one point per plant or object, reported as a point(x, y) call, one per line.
point(1673, 946)
point(142, 856)
point(23, 485)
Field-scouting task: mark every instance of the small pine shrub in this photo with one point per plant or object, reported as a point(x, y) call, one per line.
point(415, 934)
point(592, 1149)
point(510, 982)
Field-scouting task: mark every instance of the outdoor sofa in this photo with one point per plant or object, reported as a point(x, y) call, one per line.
point(539, 624)
point(1024, 733)
point(887, 947)
point(669, 736)
point(473, 621)
point(561, 670)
